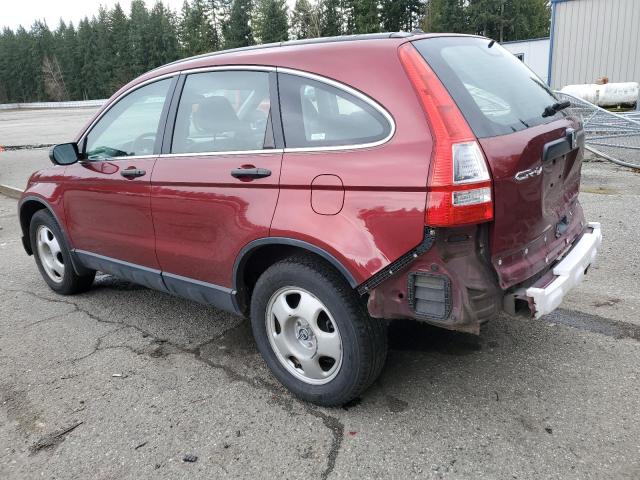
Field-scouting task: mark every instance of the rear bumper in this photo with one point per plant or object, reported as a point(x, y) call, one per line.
point(545, 296)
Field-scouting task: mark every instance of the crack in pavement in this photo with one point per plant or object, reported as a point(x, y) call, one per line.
point(332, 423)
point(594, 323)
point(35, 146)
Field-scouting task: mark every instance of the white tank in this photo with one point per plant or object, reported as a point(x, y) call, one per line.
point(607, 95)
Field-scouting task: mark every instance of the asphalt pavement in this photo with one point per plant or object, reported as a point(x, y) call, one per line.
point(124, 382)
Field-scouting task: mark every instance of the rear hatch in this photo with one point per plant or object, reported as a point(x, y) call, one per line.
point(534, 157)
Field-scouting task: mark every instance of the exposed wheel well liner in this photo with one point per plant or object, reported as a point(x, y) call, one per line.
point(260, 254)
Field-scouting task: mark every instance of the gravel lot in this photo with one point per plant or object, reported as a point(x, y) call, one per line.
point(124, 382)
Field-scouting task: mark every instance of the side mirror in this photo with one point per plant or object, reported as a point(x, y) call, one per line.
point(64, 154)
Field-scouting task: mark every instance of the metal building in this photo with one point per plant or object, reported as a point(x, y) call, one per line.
point(534, 53)
point(592, 39)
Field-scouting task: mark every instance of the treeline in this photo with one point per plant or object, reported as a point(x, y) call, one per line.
point(102, 53)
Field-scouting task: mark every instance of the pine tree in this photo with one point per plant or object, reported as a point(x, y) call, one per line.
point(119, 47)
point(305, 20)
point(104, 57)
point(446, 16)
point(138, 37)
point(237, 31)
point(87, 52)
point(331, 18)
point(196, 31)
point(400, 15)
point(270, 24)
point(367, 16)
point(163, 36)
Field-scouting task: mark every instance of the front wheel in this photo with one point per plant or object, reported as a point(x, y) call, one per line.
point(314, 332)
point(53, 257)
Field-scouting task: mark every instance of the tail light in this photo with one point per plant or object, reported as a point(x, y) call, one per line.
point(459, 188)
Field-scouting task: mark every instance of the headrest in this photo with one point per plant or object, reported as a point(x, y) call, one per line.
point(215, 114)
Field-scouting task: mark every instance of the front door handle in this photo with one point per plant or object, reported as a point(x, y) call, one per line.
point(250, 172)
point(132, 172)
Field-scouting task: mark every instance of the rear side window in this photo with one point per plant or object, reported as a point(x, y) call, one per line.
point(223, 111)
point(496, 92)
point(316, 114)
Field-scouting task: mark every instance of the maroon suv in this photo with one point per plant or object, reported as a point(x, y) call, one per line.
point(323, 186)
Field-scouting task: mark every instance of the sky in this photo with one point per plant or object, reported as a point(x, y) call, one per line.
point(24, 12)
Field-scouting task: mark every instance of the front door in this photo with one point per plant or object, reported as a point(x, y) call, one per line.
point(215, 187)
point(107, 195)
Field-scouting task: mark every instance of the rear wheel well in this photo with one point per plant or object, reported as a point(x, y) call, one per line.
point(258, 260)
point(27, 210)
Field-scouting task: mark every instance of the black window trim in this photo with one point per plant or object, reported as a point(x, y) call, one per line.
point(82, 142)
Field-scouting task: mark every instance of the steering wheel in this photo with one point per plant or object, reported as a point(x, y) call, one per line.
point(143, 144)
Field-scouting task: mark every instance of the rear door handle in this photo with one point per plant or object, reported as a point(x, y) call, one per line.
point(250, 172)
point(132, 172)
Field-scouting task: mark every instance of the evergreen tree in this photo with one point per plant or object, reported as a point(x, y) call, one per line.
point(87, 52)
point(196, 31)
point(66, 51)
point(119, 48)
point(163, 36)
point(270, 23)
point(104, 59)
point(400, 15)
point(348, 10)
point(138, 37)
point(237, 31)
point(367, 16)
point(305, 20)
point(446, 16)
point(331, 18)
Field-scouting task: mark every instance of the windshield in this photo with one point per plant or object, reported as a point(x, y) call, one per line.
point(496, 92)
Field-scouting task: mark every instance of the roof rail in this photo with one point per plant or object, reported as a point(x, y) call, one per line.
point(307, 41)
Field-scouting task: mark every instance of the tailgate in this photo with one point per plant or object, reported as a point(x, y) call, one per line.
point(533, 150)
point(536, 179)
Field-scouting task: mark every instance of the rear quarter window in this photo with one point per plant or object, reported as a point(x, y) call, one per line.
point(496, 92)
point(316, 115)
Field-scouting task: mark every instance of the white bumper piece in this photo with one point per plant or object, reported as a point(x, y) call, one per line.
point(568, 273)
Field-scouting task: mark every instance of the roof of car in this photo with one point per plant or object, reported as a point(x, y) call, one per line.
point(308, 41)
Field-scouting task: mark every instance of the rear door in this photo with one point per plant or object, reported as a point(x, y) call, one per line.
point(107, 195)
point(215, 187)
point(534, 157)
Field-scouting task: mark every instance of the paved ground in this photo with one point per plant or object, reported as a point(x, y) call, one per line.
point(21, 130)
point(123, 382)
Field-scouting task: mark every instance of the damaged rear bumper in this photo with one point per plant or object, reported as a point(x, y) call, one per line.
point(547, 294)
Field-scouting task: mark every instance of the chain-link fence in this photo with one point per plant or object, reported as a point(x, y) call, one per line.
point(613, 136)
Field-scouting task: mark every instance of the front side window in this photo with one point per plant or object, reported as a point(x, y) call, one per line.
point(130, 127)
point(223, 111)
point(315, 114)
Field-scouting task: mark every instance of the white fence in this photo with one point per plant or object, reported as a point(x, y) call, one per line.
point(35, 105)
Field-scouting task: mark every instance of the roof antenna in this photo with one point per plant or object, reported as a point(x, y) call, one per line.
point(491, 43)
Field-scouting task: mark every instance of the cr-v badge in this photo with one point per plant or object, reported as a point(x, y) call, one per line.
point(530, 173)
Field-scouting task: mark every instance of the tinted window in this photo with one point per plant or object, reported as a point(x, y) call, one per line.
point(497, 93)
point(129, 127)
point(223, 111)
point(315, 114)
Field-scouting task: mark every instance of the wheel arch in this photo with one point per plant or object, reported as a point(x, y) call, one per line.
point(27, 208)
point(260, 254)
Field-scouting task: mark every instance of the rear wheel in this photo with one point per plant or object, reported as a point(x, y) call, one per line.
point(53, 257)
point(314, 332)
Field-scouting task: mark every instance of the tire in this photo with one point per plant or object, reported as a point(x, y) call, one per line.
point(53, 257)
point(316, 287)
